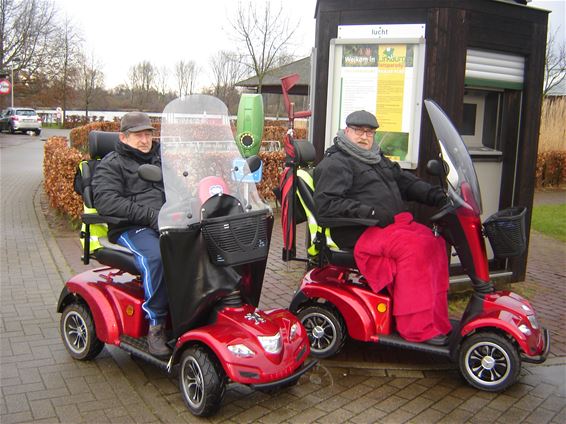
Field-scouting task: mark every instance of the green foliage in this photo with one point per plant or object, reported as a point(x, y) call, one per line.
point(550, 220)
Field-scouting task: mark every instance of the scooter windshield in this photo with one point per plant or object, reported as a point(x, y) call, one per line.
point(200, 160)
point(463, 187)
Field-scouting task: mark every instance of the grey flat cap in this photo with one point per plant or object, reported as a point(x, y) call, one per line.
point(362, 118)
point(135, 122)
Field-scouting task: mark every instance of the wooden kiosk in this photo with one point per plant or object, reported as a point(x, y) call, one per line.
point(482, 61)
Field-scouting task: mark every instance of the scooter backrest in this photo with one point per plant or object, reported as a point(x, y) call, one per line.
point(304, 152)
point(100, 143)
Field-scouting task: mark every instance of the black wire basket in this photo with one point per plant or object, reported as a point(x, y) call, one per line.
point(237, 239)
point(506, 231)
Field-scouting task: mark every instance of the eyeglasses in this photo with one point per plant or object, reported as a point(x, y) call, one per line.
point(361, 131)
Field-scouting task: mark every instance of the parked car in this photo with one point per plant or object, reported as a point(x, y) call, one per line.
point(22, 119)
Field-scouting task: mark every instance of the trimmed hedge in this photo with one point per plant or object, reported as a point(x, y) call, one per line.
point(551, 169)
point(59, 166)
point(61, 161)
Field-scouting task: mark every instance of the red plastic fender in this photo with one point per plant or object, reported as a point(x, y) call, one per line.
point(105, 322)
point(360, 323)
point(495, 322)
point(217, 348)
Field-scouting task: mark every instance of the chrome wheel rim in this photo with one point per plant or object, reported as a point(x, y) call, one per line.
point(193, 382)
point(76, 332)
point(321, 331)
point(487, 363)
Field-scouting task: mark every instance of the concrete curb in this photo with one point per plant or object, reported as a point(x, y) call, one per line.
point(59, 260)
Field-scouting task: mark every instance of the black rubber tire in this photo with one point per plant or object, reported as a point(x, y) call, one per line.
point(37, 132)
point(326, 329)
point(202, 381)
point(489, 361)
point(78, 332)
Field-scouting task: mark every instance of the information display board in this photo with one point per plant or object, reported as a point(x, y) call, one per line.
point(379, 68)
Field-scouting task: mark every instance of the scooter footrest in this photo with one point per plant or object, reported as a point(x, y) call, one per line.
point(397, 341)
point(139, 348)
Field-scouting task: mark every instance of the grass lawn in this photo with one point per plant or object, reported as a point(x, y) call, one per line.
point(550, 220)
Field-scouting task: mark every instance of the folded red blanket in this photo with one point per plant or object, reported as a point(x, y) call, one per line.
point(408, 259)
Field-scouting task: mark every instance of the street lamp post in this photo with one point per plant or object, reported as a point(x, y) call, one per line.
point(12, 82)
point(14, 61)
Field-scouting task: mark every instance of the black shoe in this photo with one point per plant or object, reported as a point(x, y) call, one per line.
point(440, 340)
point(156, 341)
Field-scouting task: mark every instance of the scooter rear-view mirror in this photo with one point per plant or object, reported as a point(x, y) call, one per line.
point(151, 173)
point(254, 162)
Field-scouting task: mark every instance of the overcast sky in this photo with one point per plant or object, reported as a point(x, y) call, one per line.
point(122, 33)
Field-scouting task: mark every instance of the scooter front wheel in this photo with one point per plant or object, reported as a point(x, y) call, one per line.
point(490, 362)
point(325, 328)
point(202, 381)
point(78, 332)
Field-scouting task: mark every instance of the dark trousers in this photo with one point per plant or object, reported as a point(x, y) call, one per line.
point(144, 243)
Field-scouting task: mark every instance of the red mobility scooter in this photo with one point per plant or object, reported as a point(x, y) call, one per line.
point(497, 330)
point(214, 236)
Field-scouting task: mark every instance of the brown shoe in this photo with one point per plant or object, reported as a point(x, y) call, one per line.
point(156, 341)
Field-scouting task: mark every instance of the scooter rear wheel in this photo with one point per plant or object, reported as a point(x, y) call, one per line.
point(78, 332)
point(202, 381)
point(490, 362)
point(326, 329)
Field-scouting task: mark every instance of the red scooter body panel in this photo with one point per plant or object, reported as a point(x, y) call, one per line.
point(242, 326)
point(115, 299)
point(509, 312)
point(366, 313)
point(472, 228)
point(128, 299)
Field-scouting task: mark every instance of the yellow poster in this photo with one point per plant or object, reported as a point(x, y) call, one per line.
point(390, 86)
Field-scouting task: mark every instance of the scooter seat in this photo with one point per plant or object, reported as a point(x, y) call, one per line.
point(343, 258)
point(116, 256)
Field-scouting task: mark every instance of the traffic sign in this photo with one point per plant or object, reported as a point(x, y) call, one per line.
point(5, 86)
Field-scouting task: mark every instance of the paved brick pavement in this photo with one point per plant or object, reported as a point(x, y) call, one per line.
point(41, 383)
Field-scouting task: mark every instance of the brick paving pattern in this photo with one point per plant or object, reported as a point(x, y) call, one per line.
point(41, 383)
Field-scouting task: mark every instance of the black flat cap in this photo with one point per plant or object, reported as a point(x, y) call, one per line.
point(135, 122)
point(362, 118)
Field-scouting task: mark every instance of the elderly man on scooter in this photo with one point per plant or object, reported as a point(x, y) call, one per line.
point(355, 180)
point(120, 192)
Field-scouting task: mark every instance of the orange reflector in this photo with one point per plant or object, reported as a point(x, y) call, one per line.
point(129, 310)
point(382, 307)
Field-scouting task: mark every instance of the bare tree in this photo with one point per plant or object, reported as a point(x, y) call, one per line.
point(68, 59)
point(264, 32)
point(227, 69)
point(162, 77)
point(186, 73)
point(27, 28)
point(555, 63)
point(143, 78)
point(90, 78)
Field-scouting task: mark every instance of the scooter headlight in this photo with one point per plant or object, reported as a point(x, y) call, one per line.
point(293, 331)
point(271, 344)
point(525, 330)
point(534, 321)
point(241, 350)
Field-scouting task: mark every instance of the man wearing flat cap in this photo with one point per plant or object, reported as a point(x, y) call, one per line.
point(355, 180)
point(120, 192)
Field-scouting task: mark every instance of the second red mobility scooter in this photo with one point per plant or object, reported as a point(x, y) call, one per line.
point(498, 329)
point(214, 236)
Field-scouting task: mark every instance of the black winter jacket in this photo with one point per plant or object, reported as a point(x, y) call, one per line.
point(119, 191)
point(348, 188)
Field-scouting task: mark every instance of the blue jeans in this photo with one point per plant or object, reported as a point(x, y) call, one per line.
point(144, 243)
